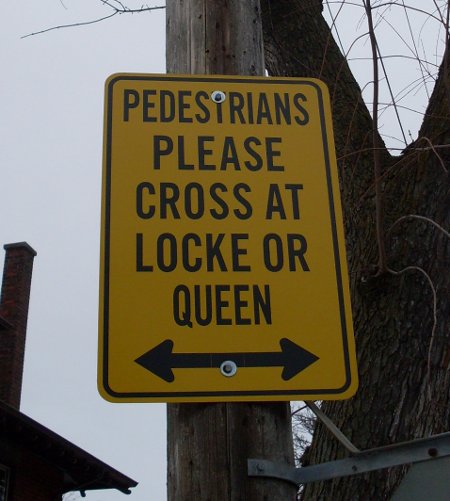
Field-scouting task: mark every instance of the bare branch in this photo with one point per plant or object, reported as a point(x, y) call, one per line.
point(439, 10)
point(392, 96)
point(433, 290)
point(398, 56)
point(333, 23)
point(379, 206)
point(394, 4)
point(446, 56)
point(416, 50)
point(411, 148)
point(420, 218)
point(434, 147)
point(116, 10)
point(73, 25)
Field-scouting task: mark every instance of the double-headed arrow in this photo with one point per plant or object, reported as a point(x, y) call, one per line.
point(160, 360)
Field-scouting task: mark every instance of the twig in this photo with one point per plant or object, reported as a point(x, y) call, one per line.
point(413, 148)
point(397, 56)
point(330, 35)
point(433, 147)
point(73, 25)
point(116, 10)
point(394, 103)
point(446, 55)
point(420, 218)
point(333, 23)
point(297, 411)
point(433, 290)
point(416, 50)
point(394, 4)
point(379, 205)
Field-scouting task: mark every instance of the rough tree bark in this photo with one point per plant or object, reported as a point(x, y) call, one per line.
point(209, 444)
point(403, 351)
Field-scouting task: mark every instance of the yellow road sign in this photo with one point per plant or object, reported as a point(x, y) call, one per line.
point(223, 270)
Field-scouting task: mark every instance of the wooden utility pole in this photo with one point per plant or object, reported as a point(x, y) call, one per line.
point(209, 444)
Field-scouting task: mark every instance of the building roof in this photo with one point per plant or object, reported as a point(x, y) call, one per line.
point(82, 471)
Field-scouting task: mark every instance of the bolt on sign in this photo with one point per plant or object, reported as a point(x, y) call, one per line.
point(223, 269)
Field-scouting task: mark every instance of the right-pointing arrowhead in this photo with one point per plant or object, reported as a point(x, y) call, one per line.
point(296, 358)
point(158, 360)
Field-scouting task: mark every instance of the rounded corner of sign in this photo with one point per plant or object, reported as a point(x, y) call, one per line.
point(321, 87)
point(112, 79)
point(319, 83)
point(107, 393)
point(349, 389)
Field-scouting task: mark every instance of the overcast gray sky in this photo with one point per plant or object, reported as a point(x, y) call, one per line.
point(50, 163)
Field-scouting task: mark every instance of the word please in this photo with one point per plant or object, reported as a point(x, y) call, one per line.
point(208, 153)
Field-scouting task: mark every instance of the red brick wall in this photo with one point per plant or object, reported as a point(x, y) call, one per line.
point(14, 301)
point(31, 478)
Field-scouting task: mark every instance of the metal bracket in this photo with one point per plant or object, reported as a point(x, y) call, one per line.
point(414, 451)
point(326, 421)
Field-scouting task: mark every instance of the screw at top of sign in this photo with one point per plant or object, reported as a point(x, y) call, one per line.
point(218, 96)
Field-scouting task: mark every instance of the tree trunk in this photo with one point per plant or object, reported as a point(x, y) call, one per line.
point(403, 352)
point(209, 444)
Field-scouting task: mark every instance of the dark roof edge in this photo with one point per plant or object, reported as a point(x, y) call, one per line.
point(102, 475)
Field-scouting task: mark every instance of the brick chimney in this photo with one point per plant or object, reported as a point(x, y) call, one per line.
point(14, 300)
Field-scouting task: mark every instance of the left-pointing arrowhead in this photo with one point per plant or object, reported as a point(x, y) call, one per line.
point(158, 360)
point(296, 359)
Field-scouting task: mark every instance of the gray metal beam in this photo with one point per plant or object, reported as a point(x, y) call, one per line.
point(425, 449)
point(326, 421)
